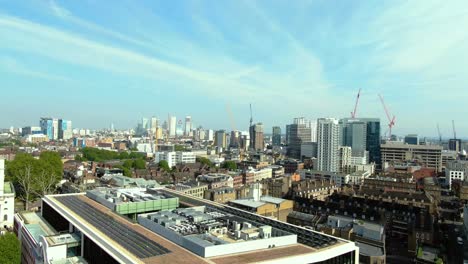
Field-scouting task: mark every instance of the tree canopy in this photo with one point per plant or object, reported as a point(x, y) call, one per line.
point(10, 251)
point(35, 177)
point(164, 165)
point(94, 154)
point(230, 165)
point(204, 161)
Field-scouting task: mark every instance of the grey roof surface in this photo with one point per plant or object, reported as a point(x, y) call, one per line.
point(134, 242)
point(270, 199)
point(248, 202)
point(369, 250)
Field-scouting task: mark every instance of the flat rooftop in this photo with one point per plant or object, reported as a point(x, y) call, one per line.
point(118, 234)
point(124, 235)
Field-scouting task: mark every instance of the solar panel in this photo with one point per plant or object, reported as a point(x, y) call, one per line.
point(134, 242)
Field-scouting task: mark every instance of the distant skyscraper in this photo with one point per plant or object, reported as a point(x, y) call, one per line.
point(354, 135)
point(313, 131)
point(256, 137)
point(287, 140)
point(112, 129)
point(49, 127)
point(298, 133)
point(144, 123)
point(235, 139)
point(276, 136)
point(221, 139)
point(65, 129)
point(209, 135)
point(455, 144)
point(328, 143)
point(412, 139)
point(362, 134)
point(188, 125)
point(172, 124)
point(154, 123)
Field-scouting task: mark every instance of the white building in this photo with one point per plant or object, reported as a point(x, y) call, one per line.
point(360, 160)
point(173, 158)
point(172, 126)
point(345, 157)
point(328, 138)
point(145, 147)
point(154, 124)
point(209, 135)
point(169, 156)
point(456, 170)
point(185, 157)
point(7, 199)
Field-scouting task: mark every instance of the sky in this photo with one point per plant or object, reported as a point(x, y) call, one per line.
point(99, 62)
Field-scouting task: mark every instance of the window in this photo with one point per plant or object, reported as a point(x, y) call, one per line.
point(5, 218)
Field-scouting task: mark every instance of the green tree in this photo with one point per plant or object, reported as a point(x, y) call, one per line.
point(10, 251)
point(230, 165)
point(204, 161)
point(126, 171)
point(23, 170)
point(128, 164)
point(164, 165)
point(179, 148)
point(139, 164)
point(35, 177)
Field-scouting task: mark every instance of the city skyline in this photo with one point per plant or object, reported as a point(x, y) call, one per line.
point(310, 59)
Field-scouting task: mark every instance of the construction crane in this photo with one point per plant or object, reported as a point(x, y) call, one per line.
point(353, 114)
point(440, 135)
point(454, 131)
point(391, 120)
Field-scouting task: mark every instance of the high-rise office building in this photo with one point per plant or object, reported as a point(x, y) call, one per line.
point(354, 135)
point(172, 124)
point(412, 139)
point(209, 135)
point(221, 139)
point(256, 137)
point(299, 133)
point(276, 136)
point(313, 131)
point(50, 127)
point(362, 134)
point(235, 139)
point(328, 143)
point(154, 123)
point(65, 129)
point(144, 123)
point(455, 144)
point(188, 125)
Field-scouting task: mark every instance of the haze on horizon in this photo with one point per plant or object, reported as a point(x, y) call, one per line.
point(102, 62)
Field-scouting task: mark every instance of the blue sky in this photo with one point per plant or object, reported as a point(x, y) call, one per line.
point(97, 62)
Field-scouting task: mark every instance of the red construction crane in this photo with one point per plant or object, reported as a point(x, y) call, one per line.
point(353, 114)
point(391, 120)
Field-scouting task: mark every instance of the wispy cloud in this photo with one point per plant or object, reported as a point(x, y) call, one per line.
point(58, 10)
point(13, 66)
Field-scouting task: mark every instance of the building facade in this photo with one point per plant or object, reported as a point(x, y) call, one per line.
point(256, 137)
point(298, 133)
point(429, 155)
point(276, 138)
point(328, 142)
